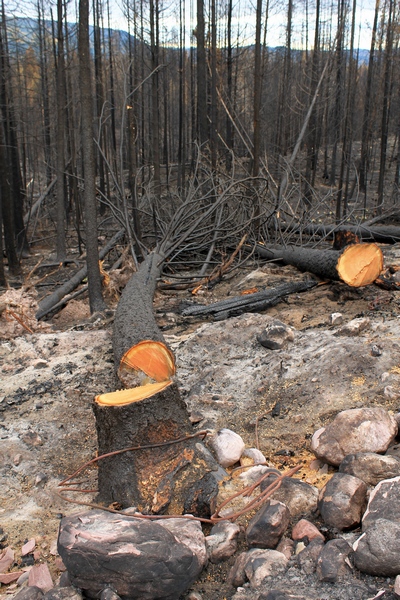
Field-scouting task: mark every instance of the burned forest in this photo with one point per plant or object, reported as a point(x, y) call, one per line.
point(199, 299)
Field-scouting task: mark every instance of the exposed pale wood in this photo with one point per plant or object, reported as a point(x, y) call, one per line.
point(357, 265)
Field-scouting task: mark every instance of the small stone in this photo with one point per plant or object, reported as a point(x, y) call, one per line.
point(377, 550)
point(65, 593)
point(342, 501)
point(6, 559)
point(228, 447)
point(370, 467)
point(109, 594)
point(336, 319)
point(40, 479)
point(195, 417)
point(307, 558)
point(39, 576)
point(17, 459)
point(384, 503)
point(376, 350)
point(29, 593)
point(221, 544)
point(31, 438)
point(276, 335)
point(354, 430)
point(24, 577)
point(255, 455)
point(305, 529)
point(396, 587)
point(354, 327)
point(267, 563)
point(390, 392)
point(7, 578)
point(300, 497)
point(286, 546)
point(29, 547)
point(266, 528)
point(333, 562)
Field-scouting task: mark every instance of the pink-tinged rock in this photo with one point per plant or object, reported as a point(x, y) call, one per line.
point(228, 447)
point(28, 547)
point(354, 430)
point(40, 577)
point(286, 546)
point(58, 563)
point(10, 577)
point(306, 529)
point(37, 554)
point(6, 559)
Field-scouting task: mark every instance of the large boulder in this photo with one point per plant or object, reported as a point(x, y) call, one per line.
point(377, 550)
point(370, 467)
point(138, 558)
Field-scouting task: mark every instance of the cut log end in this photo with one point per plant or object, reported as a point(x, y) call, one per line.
point(360, 264)
point(145, 369)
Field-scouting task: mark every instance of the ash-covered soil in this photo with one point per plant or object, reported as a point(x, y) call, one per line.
point(49, 379)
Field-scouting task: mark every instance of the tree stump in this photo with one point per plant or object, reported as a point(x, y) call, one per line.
point(175, 478)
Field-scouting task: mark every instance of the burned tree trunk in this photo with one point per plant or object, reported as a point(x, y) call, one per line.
point(383, 234)
point(167, 477)
point(231, 307)
point(357, 265)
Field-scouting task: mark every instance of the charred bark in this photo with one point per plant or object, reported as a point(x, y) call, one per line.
point(250, 302)
point(174, 478)
point(357, 265)
point(49, 303)
point(383, 234)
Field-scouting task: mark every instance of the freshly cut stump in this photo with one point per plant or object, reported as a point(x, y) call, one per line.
point(168, 477)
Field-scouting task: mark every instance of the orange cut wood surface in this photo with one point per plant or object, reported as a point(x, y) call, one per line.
point(124, 397)
point(360, 264)
point(153, 358)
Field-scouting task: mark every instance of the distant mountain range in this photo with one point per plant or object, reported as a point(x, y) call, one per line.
point(23, 34)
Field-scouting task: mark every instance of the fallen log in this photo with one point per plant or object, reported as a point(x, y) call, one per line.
point(357, 265)
point(383, 234)
point(250, 302)
point(166, 477)
point(53, 301)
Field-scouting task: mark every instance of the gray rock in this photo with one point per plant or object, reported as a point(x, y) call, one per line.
point(137, 558)
point(63, 593)
point(228, 447)
point(307, 559)
point(109, 594)
point(29, 593)
point(384, 503)
point(281, 595)
point(286, 546)
point(333, 562)
point(267, 563)
point(276, 335)
point(300, 497)
point(222, 541)
point(354, 327)
point(342, 501)
point(189, 533)
point(352, 431)
point(266, 528)
point(370, 467)
point(377, 550)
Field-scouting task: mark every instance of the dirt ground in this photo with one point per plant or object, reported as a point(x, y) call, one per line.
point(50, 377)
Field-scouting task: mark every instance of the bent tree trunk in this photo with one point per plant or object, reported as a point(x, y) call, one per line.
point(176, 478)
point(357, 265)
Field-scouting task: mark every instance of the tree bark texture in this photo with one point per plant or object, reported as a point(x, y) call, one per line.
point(383, 234)
point(249, 302)
point(357, 264)
point(48, 303)
point(176, 478)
